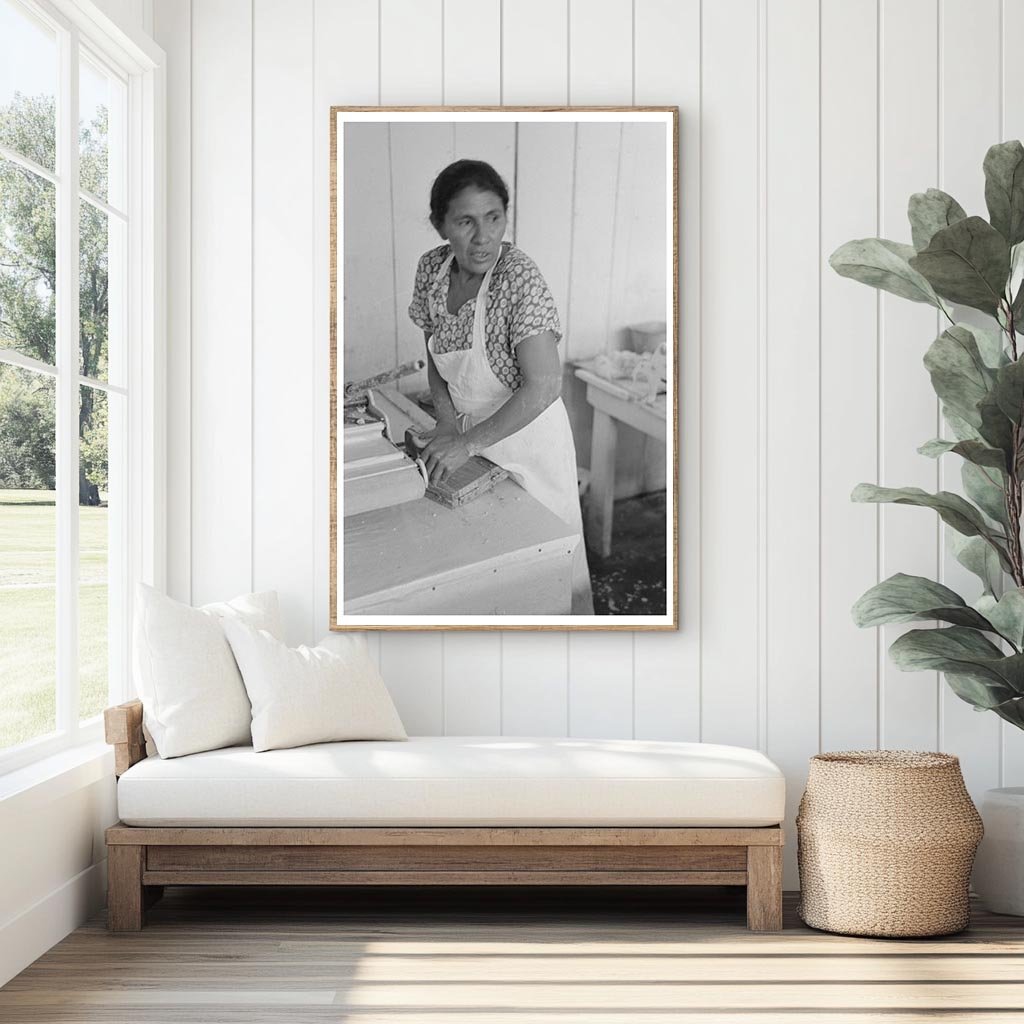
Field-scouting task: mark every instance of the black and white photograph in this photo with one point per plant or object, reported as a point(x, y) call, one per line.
point(504, 347)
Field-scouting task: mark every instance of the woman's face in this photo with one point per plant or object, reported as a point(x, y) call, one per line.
point(475, 226)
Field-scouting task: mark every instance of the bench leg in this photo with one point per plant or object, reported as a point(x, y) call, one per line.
point(764, 888)
point(125, 897)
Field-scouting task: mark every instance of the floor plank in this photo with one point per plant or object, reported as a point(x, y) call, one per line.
point(607, 956)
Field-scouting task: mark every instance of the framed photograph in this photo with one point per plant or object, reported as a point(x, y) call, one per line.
point(504, 351)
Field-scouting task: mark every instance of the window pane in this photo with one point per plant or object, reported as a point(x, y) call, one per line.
point(93, 551)
point(28, 546)
point(101, 281)
point(101, 103)
point(28, 263)
point(28, 85)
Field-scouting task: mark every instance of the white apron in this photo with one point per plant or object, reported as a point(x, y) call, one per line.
point(540, 457)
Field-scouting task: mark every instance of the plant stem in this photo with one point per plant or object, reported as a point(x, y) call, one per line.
point(1012, 498)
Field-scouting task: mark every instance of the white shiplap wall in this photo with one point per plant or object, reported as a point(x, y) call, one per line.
point(803, 123)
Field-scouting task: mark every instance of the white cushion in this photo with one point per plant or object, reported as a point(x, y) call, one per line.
point(191, 691)
point(456, 780)
point(309, 694)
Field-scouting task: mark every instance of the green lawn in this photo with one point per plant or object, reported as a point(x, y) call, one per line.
point(28, 616)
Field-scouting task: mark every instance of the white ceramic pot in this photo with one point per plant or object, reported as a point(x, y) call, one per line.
point(998, 877)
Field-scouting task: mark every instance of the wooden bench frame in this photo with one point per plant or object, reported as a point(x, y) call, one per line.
point(142, 860)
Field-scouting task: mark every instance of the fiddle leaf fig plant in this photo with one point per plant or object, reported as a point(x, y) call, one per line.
point(978, 376)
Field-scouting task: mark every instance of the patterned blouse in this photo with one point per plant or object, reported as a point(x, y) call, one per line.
point(519, 305)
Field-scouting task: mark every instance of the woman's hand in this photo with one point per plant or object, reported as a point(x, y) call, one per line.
point(445, 452)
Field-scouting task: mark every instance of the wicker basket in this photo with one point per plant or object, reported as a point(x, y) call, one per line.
point(885, 842)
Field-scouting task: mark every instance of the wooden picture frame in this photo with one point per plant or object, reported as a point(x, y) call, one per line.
point(592, 207)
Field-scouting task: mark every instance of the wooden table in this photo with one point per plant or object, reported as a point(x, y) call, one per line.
point(502, 554)
point(612, 405)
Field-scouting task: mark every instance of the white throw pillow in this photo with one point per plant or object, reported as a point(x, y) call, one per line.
point(309, 694)
point(192, 693)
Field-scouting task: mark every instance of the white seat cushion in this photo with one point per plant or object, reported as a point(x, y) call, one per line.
point(459, 780)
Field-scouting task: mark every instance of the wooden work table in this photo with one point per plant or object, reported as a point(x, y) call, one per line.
point(613, 405)
point(502, 554)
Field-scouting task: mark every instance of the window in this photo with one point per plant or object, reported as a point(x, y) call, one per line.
point(77, 314)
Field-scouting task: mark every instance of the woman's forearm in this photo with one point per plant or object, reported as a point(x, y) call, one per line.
point(444, 409)
point(523, 407)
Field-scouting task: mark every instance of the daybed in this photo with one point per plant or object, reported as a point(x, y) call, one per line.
point(444, 811)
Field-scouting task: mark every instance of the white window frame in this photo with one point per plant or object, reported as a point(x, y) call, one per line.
point(141, 64)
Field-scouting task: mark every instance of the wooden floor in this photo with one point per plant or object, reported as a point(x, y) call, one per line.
point(622, 956)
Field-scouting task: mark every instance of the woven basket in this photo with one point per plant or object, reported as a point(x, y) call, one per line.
point(885, 843)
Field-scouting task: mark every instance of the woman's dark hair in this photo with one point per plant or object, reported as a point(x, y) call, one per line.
point(459, 175)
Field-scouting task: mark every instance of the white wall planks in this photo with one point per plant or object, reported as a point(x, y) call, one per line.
point(472, 684)
point(283, 338)
point(666, 667)
point(909, 413)
point(173, 26)
point(849, 369)
point(792, 385)
point(666, 688)
point(535, 52)
point(345, 54)
point(472, 52)
point(547, 163)
point(600, 685)
point(593, 213)
point(413, 666)
point(221, 378)
point(418, 153)
point(897, 114)
point(600, 52)
point(411, 53)
point(535, 684)
point(370, 311)
point(496, 144)
point(730, 609)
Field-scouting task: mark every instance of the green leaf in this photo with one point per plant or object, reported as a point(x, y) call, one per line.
point(973, 451)
point(983, 694)
point(1011, 711)
point(976, 555)
point(967, 263)
point(962, 430)
point(903, 598)
point(995, 428)
point(958, 372)
point(990, 345)
point(1009, 390)
point(1016, 309)
point(954, 510)
point(964, 652)
point(1015, 285)
point(1004, 189)
point(929, 212)
point(986, 488)
point(1006, 614)
point(883, 264)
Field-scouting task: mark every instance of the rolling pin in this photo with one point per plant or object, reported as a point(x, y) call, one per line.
point(355, 390)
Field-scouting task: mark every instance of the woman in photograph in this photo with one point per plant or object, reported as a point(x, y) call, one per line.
point(492, 332)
